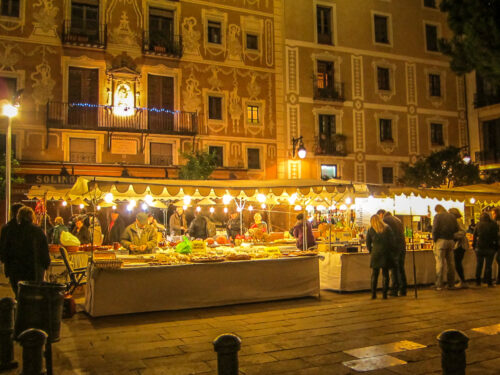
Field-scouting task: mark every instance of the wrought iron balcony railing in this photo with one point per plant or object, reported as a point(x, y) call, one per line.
point(157, 44)
point(334, 145)
point(488, 157)
point(85, 116)
point(333, 92)
point(93, 38)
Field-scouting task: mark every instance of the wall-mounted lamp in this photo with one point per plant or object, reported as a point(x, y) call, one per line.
point(301, 151)
point(465, 154)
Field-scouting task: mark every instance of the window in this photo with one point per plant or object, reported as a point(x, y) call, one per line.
point(325, 74)
point(252, 42)
point(3, 144)
point(85, 17)
point(82, 150)
point(437, 134)
point(161, 96)
point(431, 37)
point(83, 85)
point(434, 85)
point(328, 171)
point(430, 3)
point(214, 32)
point(161, 27)
point(253, 114)
point(8, 88)
point(324, 24)
point(215, 108)
point(10, 8)
point(160, 154)
point(387, 175)
point(219, 154)
point(253, 158)
point(383, 79)
point(385, 130)
point(381, 29)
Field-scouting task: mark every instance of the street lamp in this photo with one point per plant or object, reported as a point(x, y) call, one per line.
point(301, 151)
point(10, 111)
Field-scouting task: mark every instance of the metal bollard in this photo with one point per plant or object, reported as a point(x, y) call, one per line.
point(32, 340)
point(227, 347)
point(7, 307)
point(453, 344)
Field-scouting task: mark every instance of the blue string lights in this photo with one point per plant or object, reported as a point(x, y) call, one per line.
point(110, 107)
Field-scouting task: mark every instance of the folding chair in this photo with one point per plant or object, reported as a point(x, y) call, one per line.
point(76, 275)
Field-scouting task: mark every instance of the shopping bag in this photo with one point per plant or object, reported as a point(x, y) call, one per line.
point(67, 239)
point(184, 247)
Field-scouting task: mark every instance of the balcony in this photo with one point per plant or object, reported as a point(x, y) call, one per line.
point(162, 45)
point(335, 145)
point(483, 99)
point(332, 92)
point(84, 37)
point(83, 116)
point(488, 157)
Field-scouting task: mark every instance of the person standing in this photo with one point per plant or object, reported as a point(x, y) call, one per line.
point(259, 223)
point(233, 226)
point(8, 232)
point(443, 231)
point(81, 231)
point(496, 216)
point(57, 230)
point(298, 233)
point(398, 273)
point(178, 223)
point(27, 256)
point(380, 242)
point(198, 227)
point(485, 243)
point(115, 229)
point(461, 246)
point(139, 237)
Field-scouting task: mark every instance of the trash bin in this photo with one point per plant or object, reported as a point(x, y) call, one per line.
point(40, 305)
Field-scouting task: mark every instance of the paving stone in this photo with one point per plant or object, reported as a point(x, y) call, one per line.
point(373, 363)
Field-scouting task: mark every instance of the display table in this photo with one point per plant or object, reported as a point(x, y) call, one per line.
point(57, 272)
point(348, 272)
point(141, 289)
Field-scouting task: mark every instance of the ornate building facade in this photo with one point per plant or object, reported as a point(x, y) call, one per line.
point(123, 87)
point(366, 87)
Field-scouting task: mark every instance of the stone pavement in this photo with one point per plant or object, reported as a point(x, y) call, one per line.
point(303, 337)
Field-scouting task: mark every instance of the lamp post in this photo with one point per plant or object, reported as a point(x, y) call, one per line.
point(301, 151)
point(10, 111)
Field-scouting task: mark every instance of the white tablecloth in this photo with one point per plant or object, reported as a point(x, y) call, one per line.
point(351, 271)
point(132, 290)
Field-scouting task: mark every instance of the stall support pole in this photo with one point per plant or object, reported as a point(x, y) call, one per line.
point(413, 256)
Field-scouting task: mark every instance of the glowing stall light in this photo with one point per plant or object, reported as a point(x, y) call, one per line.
point(310, 219)
point(130, 207)
point(352, 207)
point(225, 210)
point(309, 208)
point(184, 207)
point(343, 207)
point(113, 208)
point(98, 208)
point(198, 209)
point(348, 200)
point(250, 208)
point(263, 205)
point(238, 209)
point(298, 207)
point(261, 198)
point(149, 199)
point(132, 203)
point(212, 210)
point(64, 203)
point(321, 208)
point(472, 200)
point(108, 198)
point(187, 200)
point(144, 206)
point(292, 198)
point(226, 199)
point(333, 208)
point(82, 206)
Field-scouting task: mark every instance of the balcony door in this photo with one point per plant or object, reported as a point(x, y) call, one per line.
point(160, 98)
point(83, 94)
point(327, 134)
point(325, 79)
point(85, 20)
point(491, 141)
point(161, 28)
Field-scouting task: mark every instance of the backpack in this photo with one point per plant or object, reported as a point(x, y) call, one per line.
point(211, 228)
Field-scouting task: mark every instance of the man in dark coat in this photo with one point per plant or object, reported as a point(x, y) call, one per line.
point(27, 254)
point(9, 232)
point(115, 229)
point(233, 227)
point(485, 243)
point(443, 233)
point(398, 274)
point(198, 227)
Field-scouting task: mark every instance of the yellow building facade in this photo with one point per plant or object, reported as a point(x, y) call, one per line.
point(366, 88)
point(120, 87)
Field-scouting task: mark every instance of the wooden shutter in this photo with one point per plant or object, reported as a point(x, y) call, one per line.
point(83, 85)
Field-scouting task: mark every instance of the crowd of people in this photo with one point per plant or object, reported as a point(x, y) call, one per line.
point(385, 241)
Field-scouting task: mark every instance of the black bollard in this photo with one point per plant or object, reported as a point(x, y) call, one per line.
point(227, 347)
point(453, 344)
point(32, 340)
point(7, 306)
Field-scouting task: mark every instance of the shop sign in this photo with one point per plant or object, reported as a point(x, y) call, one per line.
point(124, 146)
point(50, 179)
